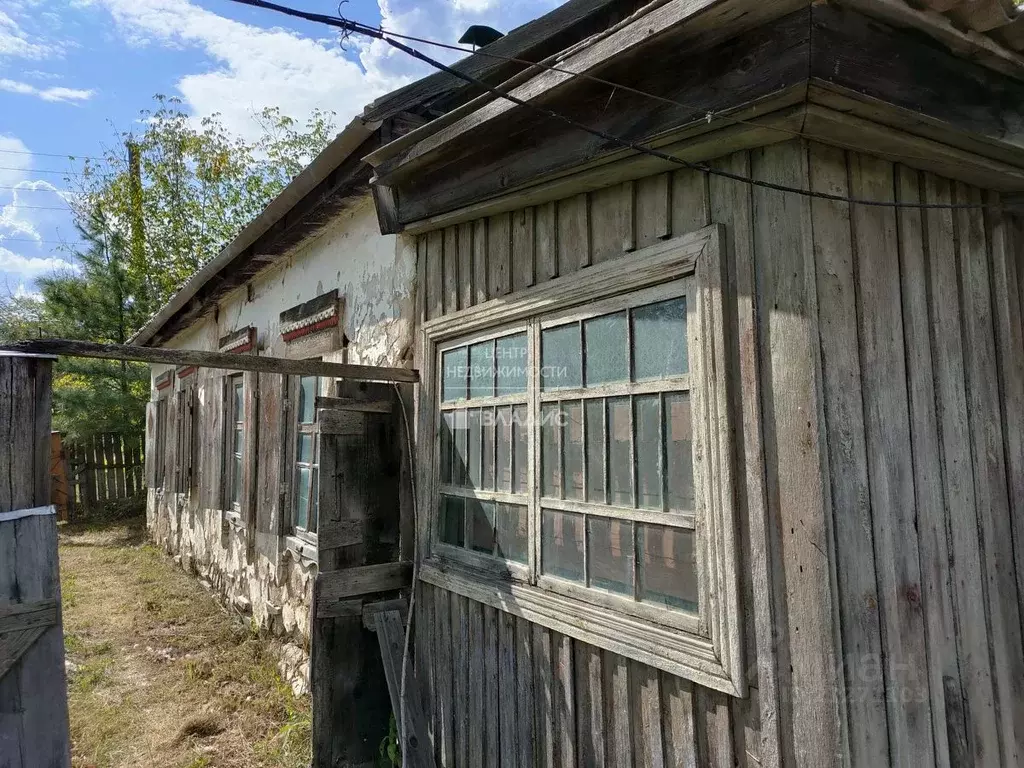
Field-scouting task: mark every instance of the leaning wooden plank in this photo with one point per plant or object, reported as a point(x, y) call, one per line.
point(416, 745)
point(162, 355)
point(363, 580)
point(847, 453)
point(1005, 642)
point(931, 515)
point(972, 696)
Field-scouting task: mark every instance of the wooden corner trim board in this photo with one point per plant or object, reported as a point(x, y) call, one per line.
point(706, 648)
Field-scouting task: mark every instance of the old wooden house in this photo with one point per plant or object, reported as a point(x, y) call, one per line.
point(717, 455)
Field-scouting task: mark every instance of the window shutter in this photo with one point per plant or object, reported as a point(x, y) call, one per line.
point(151, 444)
point(213, 440)
point(250, 466)
point(270, 445)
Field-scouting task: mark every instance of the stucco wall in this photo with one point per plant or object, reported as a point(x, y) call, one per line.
point(374, 275)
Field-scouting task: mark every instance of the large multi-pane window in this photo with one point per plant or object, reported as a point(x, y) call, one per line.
point(584, 466)
point(306, 502)
point(236, 437)
point(606, 416)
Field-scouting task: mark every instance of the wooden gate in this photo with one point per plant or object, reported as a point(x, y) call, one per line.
point(33, 688)
point(364, 481)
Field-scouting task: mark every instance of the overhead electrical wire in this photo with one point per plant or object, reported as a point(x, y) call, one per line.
point(68, 156)
point(17, 188)
point(353, 27)
point(40, 170)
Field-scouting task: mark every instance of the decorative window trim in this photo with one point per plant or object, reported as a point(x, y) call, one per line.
point(706, 649)
point(238, 342)
point(184, 371)
point(317, 314)
point(163, 381)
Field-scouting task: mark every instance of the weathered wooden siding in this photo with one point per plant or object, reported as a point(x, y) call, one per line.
point(879, 364)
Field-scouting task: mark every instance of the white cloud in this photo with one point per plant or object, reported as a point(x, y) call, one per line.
point(56, 93)
point(258, 67)
point(31, 267)
point(15, 219)
point(15, 42)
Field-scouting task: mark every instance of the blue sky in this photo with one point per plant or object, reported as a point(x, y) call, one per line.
point(75, 73)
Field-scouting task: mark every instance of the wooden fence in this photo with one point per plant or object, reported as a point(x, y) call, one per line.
point(104, 468)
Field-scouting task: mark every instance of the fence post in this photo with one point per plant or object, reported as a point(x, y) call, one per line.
point(33, 688)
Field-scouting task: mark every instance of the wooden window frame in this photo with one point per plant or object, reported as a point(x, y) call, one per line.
point(232, 420)
point(161, 416)
point(706, 647)
point(187, 436)
point(303, 534)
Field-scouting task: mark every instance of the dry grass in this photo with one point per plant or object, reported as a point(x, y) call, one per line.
point(160, 676)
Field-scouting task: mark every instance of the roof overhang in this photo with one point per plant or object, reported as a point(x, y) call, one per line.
point(719, 62)
point(255, 240)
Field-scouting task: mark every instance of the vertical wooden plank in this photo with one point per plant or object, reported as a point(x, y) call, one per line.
point(990, 486)
point(450, 270)
point(887, 433)
point(564, 699)
point(589, 705)
point(546, 229)
point(525, 692)
point(1010, 346)
point(117, 459)
point(677, 708)
point(499, 255)
point(465, 246)
point(619, 711)
point(611, 222)
point(424, 667)
point(975, 686)
point(544, 689)
point(475, 673)
point(714, 729)
point(940, 631)
point(573, 219)
point(435, 273)
point(861, 642)
point(798, 484)
point(444, 723)
point(460, 682)
point(523, 265)
point(492, 698)
point(690, 201)
point(732, 205)
point(645, 695)
point(653, 209)
point(481, 268)
point(508, 735)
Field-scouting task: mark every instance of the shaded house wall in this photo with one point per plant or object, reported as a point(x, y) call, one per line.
point(879, 396)
point(252, 559)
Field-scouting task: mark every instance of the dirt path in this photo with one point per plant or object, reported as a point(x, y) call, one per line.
point(160, 676)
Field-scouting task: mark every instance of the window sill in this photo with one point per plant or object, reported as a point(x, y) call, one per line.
point(674, 651)
point(303, 551)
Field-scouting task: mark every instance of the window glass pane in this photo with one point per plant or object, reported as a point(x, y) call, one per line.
point(453, 373)
point(503, 426)
point(561, 544)
point(550, 466)
point(447, 446)
point(314, 500)
point(236, 481)
point(461, 456)
point(239, 411)
point(668, 567)
point(610, 554)
point(305, 449)
point(595, 450)
point(302, 497)
point(473, 451)
point(513, 533)
point(647, 418)
point(487, 419)
point(520, 455)
point(561, 357)
point(452, 528)
point(239, 441)
point(620, 460)
point(511, 358)
point(607, 353)
point(481, 525)
point(572, 437)
point(679, 452)
point(307, 399)
point(659, 340)
point(481, 370)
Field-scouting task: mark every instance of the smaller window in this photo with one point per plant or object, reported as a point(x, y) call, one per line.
point(306, 503)
point(236, 436)
point(161, 441)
